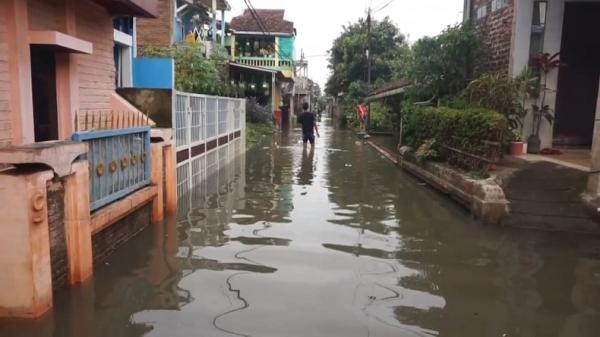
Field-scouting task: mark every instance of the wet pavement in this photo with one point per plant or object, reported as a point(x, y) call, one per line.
point(284, 242)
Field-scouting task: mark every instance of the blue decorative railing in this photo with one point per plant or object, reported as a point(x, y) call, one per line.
point(119, 160)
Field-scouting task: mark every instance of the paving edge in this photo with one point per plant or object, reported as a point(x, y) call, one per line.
point(484, 198)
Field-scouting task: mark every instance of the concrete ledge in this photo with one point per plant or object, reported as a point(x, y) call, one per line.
point(484, 198)
point(57, 155)
point(107, 216)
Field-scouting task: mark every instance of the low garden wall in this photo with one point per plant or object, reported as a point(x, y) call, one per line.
point(470, 139)
point(455, 149)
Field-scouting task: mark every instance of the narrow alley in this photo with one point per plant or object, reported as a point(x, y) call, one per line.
point(289, 242)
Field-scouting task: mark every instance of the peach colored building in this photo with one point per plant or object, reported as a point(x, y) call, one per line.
point(58, 67)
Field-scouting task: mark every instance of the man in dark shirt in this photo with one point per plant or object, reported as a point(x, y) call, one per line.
point(309, 123)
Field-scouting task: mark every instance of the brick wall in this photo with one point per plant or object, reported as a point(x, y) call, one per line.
point(113, 237)
point(58, 241)
point(496, 27)
point(156, 32)
point(5, 134)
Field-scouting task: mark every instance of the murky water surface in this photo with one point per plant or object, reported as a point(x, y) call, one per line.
point(284, 242)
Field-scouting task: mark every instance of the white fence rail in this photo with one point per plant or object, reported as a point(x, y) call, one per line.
point(204, 127)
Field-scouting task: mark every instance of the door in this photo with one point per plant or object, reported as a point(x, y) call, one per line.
point(578, 80)
point(43, 81)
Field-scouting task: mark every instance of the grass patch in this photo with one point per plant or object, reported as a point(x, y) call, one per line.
point(256, 131)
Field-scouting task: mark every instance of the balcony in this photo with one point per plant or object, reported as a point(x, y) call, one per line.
point(265, 62)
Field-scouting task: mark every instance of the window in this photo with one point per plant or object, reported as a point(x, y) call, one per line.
point(498, 4)
point(481, 12)
point(538, 24)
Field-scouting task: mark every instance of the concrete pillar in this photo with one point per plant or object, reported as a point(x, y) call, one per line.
point(26, 277)
point(67, 80)
point(19, 69)
point(214, 20)
point(170, 173)
point(223, 31)
point(158, 208)
point(78, 223)
point(593, 187)
point(233, 46)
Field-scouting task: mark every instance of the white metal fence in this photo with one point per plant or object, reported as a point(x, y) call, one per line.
point(206, 127)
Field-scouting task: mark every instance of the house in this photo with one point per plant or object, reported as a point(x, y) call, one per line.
point(77, 164)
point(262, 54)
point(517, 31)
point(177, 20)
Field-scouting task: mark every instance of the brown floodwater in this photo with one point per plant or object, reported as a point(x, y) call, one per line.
point(283, 242)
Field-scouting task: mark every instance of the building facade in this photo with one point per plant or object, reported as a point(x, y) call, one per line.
point(76, 159)
point(518, 30)
point(262, 48)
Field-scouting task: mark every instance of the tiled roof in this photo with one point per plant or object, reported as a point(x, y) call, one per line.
point(273, 20)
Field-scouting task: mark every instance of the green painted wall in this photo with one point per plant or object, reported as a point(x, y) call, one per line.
point(286, 47)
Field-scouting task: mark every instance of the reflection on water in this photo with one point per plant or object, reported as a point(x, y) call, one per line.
point(286, 241)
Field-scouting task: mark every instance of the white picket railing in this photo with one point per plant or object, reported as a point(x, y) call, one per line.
point(204, 126)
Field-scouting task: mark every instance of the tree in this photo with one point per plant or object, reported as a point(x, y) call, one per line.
point(347, 59)
point(194, 72)
point(445, 64)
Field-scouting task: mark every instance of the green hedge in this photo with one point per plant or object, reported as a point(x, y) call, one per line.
point(474, 131)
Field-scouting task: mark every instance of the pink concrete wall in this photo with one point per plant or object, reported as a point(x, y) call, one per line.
point(96, 71)
point(43, 14)
point(5, 134)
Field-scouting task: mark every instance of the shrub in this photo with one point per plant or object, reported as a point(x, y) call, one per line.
point(427, 151)
point(381, 118)
point(256, 113)
point(194, 72)
point(469, 138)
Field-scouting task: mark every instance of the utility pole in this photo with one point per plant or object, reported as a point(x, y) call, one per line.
point(368, 122)
point(214, 21)
point(369, 49)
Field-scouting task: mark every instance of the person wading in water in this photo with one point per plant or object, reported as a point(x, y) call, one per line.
point(309, 126)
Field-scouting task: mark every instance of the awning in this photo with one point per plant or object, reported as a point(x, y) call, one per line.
point(60, 41)
point(389, 89)
point(137, 8)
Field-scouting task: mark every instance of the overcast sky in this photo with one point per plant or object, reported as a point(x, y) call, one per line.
point(319, 22)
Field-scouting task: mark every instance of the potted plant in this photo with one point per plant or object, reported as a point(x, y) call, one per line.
point(544, 63)
point(517, 146)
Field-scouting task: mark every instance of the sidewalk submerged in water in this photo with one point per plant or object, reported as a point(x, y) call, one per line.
point(536, 195)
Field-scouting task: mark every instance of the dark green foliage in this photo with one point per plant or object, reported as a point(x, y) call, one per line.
point(506, 95)
point(195, 73)
point(348, 62)
point(427, 151)
point(256, 113)
point(471, 125)
point(443, 65)
point(467, 138)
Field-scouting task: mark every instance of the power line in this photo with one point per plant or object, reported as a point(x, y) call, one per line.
point(384, 6)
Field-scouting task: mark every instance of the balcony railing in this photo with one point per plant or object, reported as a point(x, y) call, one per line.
point(119, 162)
point(265, 62)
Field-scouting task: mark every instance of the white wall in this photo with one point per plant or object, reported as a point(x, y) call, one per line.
point(552, 45)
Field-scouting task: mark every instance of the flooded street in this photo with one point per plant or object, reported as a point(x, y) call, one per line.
point(283, 242)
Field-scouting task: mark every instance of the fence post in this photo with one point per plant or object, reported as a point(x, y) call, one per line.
point(158, 214)
point(78, 223)
point(170, 193)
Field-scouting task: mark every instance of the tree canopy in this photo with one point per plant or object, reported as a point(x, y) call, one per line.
point(348, 61)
